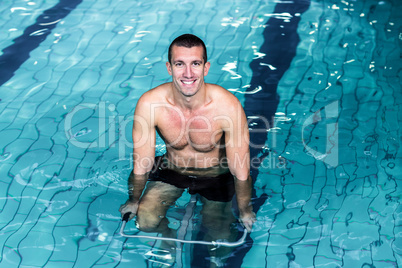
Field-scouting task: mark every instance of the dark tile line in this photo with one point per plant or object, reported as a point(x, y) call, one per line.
point(280, 43)
point(16, 54)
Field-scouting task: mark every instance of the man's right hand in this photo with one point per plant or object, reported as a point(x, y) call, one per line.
point(129, 207)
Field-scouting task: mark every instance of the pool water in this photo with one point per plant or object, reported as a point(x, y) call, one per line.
point(320, 82)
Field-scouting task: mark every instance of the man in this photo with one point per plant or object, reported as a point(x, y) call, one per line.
point(207, 143)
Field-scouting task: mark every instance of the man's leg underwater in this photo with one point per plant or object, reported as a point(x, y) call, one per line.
point(219, 223)
point(154, 203)
point(218, 218)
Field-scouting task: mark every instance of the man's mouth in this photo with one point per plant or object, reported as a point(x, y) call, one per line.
point(188, 82)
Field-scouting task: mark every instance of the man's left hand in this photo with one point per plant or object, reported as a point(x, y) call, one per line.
point(247, 218)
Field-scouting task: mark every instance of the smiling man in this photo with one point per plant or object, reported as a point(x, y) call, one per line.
point(207, 147)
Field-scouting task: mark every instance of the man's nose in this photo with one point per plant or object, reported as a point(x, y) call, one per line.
point(188, 72)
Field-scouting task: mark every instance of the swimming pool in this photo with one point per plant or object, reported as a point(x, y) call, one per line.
point(327, 188)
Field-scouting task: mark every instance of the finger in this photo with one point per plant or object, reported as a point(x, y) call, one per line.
point(122, 207)
point(248, 223)
point(249, 226)
point(124, 210)
point(253, 220)
point(243, 223)
point(122, 213)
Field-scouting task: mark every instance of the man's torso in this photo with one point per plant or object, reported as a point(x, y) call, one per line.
point(194, 139)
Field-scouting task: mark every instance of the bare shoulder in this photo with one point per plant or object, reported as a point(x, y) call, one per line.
point(146, 102)
point(223, 98)
point(154, 95)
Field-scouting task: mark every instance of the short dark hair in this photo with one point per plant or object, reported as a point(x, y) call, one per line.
point(189, 41)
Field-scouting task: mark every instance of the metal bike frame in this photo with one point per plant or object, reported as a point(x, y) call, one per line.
point(211, 243)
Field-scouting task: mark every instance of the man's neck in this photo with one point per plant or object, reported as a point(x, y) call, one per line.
point(190, 103)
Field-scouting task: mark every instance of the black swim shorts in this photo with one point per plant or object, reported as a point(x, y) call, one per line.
point(220, 188)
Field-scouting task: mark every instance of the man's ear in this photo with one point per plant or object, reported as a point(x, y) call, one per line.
point(169, 67)
point(206, 68)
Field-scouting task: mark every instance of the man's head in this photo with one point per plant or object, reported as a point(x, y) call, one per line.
point(188, 41)
point(188, 64)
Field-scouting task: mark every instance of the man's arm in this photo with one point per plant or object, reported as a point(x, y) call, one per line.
point(243, 197)
point(136, 185)
point(238, 154)
point(143, 155)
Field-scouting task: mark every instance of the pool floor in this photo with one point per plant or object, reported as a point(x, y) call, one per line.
point(326, 76)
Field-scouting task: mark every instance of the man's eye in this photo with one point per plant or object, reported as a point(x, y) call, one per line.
point(178, 64)
point(196, 64)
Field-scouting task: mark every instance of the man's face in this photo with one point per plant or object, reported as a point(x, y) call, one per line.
point(187, 69)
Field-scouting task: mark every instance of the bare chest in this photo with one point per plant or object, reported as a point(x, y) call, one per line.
point(199, 131)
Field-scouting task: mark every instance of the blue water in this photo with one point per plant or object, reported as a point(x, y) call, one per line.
point(326, 76)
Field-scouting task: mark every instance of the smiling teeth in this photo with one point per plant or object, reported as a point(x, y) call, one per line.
point(188, 82)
